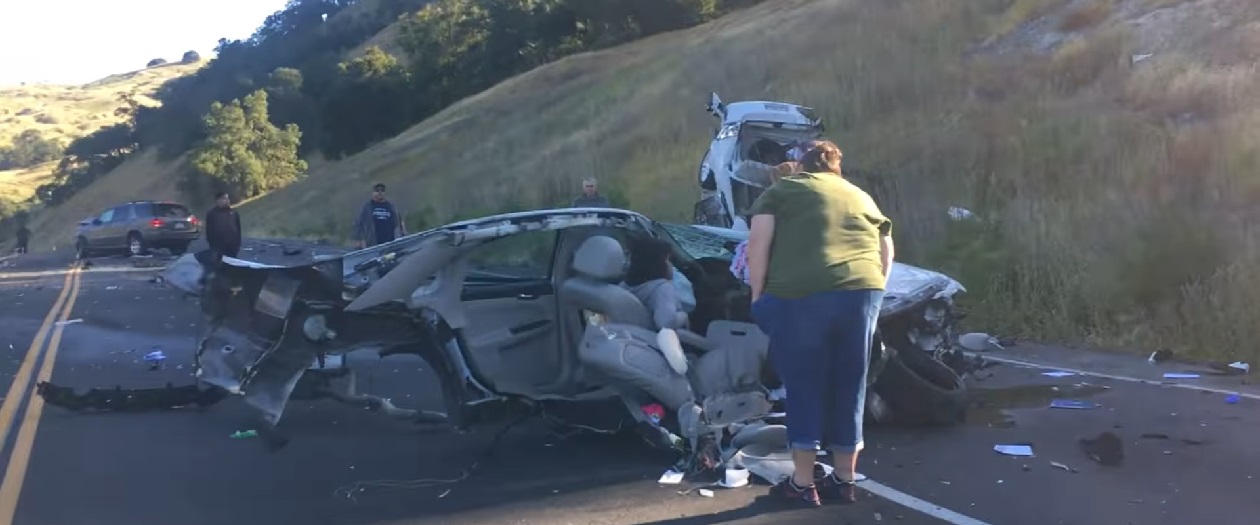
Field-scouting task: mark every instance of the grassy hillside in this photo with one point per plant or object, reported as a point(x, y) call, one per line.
point(1107, 146)
point(68, 112)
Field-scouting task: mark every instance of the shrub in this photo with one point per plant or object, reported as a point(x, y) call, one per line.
point(156, 62)
point(190, 57)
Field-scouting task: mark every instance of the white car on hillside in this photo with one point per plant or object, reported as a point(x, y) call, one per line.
point(752, 138)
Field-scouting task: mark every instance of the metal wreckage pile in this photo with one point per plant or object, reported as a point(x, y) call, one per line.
point(274, 333)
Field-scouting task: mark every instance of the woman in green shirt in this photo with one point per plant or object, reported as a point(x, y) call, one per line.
point(819, 253)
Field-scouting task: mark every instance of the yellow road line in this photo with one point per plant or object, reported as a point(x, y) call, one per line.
point(15, 474)
point(21, 380)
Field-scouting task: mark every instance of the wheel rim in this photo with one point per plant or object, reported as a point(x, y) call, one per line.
point(135, 246)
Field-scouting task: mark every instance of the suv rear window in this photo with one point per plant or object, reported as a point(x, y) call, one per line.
point(171, 211)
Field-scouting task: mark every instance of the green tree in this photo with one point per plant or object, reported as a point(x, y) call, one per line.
point(371, 100)
point(28, 149)
point(243, 152)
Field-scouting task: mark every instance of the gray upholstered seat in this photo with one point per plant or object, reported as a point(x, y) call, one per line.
point(598, 265)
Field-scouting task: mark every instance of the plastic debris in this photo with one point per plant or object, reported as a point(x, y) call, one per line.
point(241, 434)
point(1061, 466)
point(155, 359)
point(1178, 375)
point(1014, 450)
point(1232, 399)
point(706, 493)
point(1072, 404)
point(1159, 356)
point(1058, 373)
point(1239, 365)
point(69, 321)
point(979, 342)
point(671, 477)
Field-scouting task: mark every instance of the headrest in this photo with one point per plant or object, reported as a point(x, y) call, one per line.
point(600, 257)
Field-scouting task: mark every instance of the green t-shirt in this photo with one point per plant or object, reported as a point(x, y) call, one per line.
point(826, 236)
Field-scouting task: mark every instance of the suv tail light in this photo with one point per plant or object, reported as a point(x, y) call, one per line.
point(156, 223)
point(192, 219)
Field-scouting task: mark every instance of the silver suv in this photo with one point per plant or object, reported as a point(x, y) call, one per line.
point(135, 227)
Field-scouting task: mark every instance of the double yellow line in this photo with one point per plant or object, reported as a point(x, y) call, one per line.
point(15, 474)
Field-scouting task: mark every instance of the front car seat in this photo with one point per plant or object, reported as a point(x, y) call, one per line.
point(598, 265)
point(618, 344)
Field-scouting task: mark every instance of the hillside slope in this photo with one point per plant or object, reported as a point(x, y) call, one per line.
point(69, 112)
point(1105, 144)
point(66, 113)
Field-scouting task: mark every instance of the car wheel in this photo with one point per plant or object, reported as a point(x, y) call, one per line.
point(921, 391)
point(135, 244)
point(81, 248)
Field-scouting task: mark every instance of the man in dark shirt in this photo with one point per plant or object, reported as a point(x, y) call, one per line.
point(223, 228)
point(590, 197)
point(378, 222)
point(23, 238)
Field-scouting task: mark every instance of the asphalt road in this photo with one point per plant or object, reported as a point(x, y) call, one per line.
point(182, 467)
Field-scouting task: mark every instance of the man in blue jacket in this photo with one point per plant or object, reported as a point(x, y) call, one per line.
point(378, 222)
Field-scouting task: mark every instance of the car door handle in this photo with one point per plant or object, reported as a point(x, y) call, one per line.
point(526, 297)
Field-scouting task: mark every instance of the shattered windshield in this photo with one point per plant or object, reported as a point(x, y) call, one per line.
point(699, 244)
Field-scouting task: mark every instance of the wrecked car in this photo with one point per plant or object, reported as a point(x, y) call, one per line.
point(522, 310)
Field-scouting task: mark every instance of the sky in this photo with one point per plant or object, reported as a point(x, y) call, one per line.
point(78, 41)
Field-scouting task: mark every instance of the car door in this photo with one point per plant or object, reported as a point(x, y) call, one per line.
point(118, 225)
point(97, 232)
point(512, 333)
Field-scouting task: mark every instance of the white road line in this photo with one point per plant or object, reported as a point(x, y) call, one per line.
point(913, 503)
point(1157, 382)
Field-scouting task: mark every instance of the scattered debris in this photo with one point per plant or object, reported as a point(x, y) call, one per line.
point(1152, 435)
point(290, 251)
point(155, 359)
point(1072, 404)
point(1232, 399)
point(980, 342)
point(1014, 450)
point(706, 493)
point(70, 321)
point(1159, 356)
point(1105, 449)
point(244, 434)
point(1140, 57)
point(1179, 375)
point(1058, 373)
point(671, 477)
point(1061, 466)
point(1235, 368)
point(734, 478)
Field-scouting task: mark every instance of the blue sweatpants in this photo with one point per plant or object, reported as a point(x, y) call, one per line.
point(820, 345)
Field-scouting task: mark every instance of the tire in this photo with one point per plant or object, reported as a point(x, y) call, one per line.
point(135, 244)
point(922, 391)
point(81, 248)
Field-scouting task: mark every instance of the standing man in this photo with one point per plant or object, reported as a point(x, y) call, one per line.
point(23, 237)
point(223, 229)
point(590, 197)
point(379, 221)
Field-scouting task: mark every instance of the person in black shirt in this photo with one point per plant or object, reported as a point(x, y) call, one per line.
point(223, 228)
point(378, 222)
point(23, 238)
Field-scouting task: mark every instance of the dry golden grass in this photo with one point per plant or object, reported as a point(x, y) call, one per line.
point(1118, 199)
point(141, 177)
point(19, 185)
point(69, 112)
